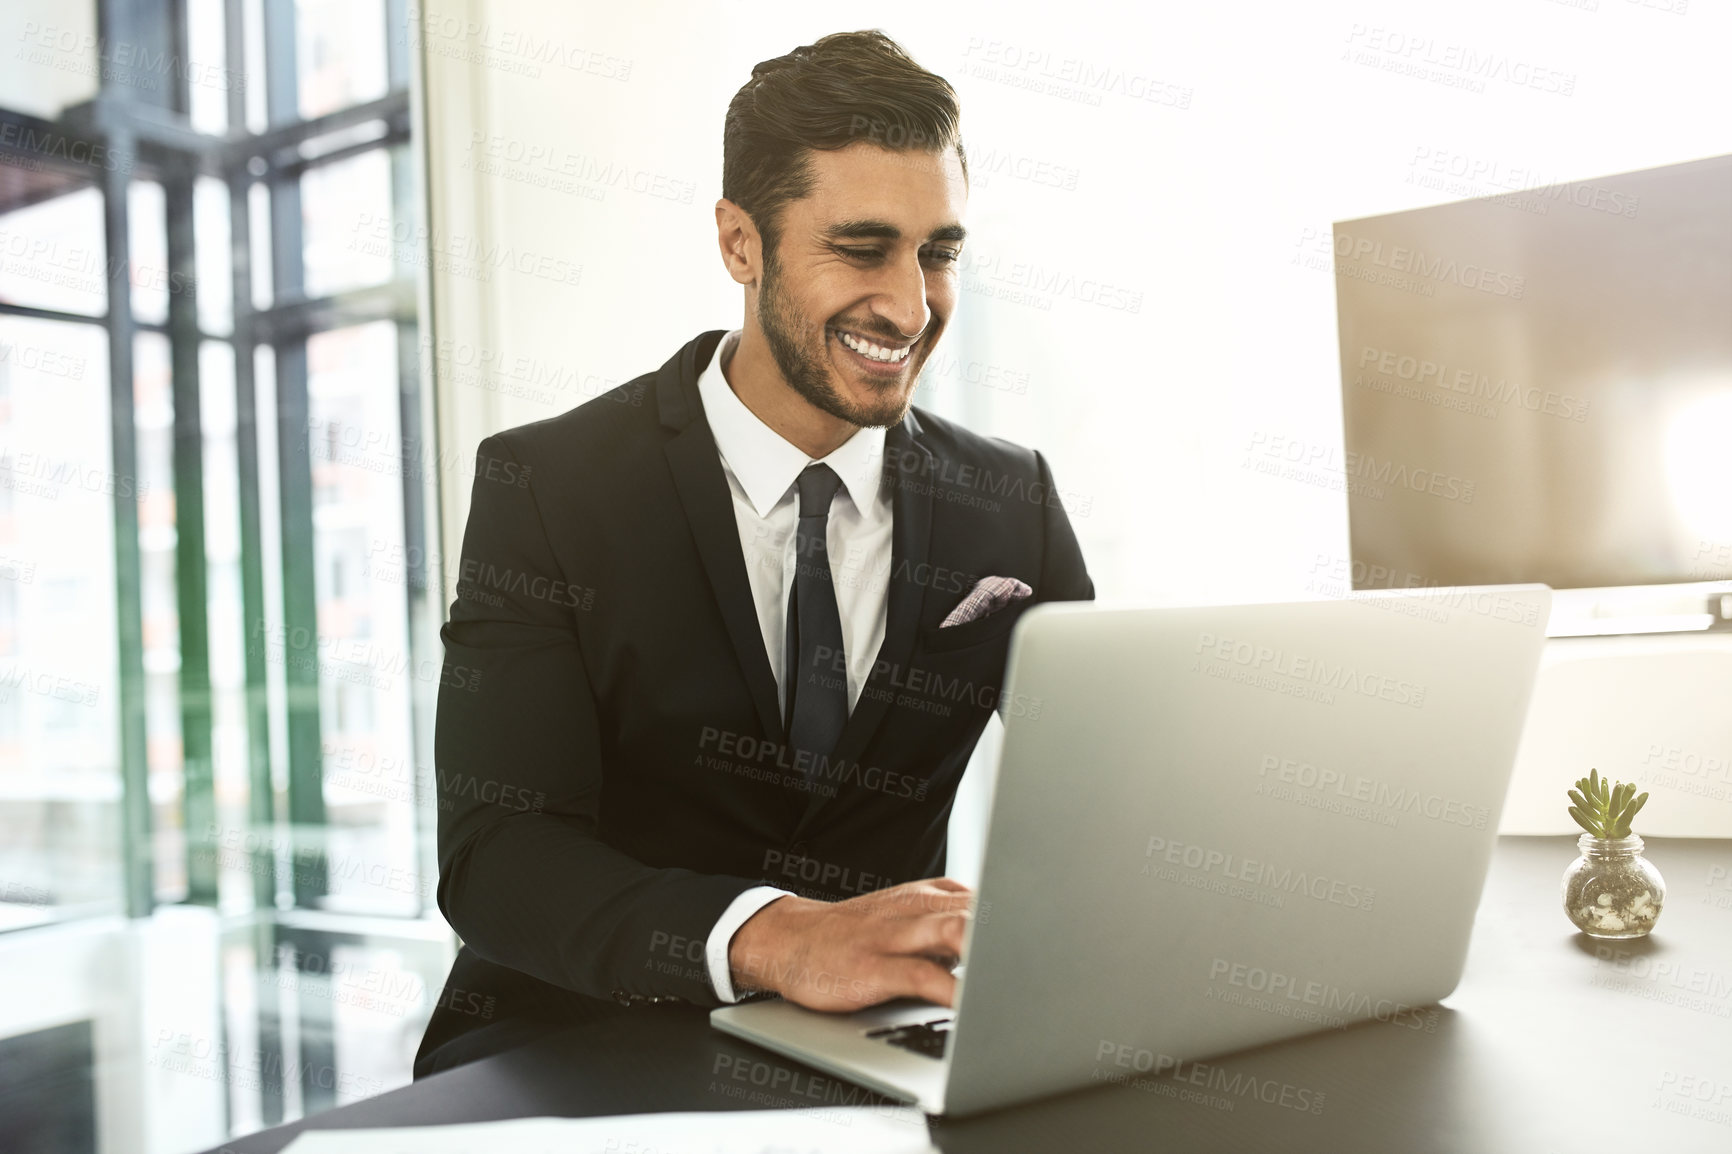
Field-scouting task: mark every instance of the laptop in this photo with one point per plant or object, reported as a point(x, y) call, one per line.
point(1213, 828)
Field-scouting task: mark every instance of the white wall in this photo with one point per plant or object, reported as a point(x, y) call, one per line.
point(1654, 710)
point(1202, 201)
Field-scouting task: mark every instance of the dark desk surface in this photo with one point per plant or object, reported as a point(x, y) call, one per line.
point(1552, 1043)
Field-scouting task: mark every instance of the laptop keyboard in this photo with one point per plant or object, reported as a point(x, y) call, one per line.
point(926, 1038)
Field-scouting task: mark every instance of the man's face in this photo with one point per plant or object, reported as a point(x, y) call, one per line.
point(864, 278)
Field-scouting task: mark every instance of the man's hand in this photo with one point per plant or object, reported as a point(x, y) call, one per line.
point(841, 956)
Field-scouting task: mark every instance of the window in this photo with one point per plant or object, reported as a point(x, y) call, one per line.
point(59, 753)
point(215, 667)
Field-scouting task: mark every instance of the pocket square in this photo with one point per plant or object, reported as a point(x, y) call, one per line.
point(988, 596)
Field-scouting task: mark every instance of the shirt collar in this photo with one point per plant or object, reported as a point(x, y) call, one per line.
point(764, 463)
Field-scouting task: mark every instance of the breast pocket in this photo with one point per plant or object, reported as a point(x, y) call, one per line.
point(992, 627)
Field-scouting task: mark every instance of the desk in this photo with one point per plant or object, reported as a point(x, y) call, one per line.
point(1553, 1043)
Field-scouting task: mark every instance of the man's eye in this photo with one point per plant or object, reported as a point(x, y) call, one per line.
point(860, 253)
point(944, 255)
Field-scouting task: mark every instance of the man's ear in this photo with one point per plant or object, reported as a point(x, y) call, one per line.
point(742, 247)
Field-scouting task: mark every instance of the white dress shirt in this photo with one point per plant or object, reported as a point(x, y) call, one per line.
point(761, 468)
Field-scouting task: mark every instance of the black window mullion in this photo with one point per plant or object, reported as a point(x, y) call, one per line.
point(198, 798)
point(261, 792)
point(294, 462)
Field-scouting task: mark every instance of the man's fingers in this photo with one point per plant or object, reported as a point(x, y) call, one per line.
point(917, 978)
point(901, 941)
point(924, 900)
point(927, 887)
point(934, 935)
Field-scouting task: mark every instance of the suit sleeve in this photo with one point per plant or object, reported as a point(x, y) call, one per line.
point(1063, 576)
point(524, 877)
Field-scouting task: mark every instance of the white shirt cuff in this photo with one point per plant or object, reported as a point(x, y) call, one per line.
point(722, 936)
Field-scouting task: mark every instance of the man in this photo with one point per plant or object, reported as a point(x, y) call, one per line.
point(729, 633)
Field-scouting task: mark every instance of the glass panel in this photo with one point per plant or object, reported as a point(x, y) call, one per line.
point(366, 672)
point(153, 422)
point(147, 219)
point(346, 215)
point(53, 57)
point(214, 257)
point(226, 616)
point(340, 53)
point(253, 39)
point(208, 81)
point(52, 255)
point(59, 739)
point(259, 224)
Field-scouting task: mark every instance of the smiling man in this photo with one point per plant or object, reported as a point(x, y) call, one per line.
point(731, 631)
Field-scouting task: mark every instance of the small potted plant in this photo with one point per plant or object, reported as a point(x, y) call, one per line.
point(1611, 891)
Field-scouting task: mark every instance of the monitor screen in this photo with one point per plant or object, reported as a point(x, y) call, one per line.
point(1537, 385)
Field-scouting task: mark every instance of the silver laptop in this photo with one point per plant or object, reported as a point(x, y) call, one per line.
point(1213, 828)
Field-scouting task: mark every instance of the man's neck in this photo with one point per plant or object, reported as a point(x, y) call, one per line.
point(757, 380)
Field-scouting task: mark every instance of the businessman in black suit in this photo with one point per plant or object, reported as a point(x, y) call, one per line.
point(725, 637)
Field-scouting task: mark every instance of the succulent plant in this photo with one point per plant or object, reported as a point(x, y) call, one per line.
point(1604, 808)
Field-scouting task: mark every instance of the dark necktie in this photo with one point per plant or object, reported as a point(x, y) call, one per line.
point(815, 668)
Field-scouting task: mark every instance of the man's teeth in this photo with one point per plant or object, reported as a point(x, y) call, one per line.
point(868, 349)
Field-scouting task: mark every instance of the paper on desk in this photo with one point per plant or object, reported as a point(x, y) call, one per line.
point(850, 1130)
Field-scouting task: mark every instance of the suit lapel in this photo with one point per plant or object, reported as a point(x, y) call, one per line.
point(703, 489)
point(908, 470)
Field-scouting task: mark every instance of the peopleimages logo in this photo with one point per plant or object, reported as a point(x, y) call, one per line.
point(1364, 474)
point(1344, 577)
point(1695, 1096)
point(1415, 262)
point(1423, 372)
point(1135, 1060)
point(1474, 174)
point(1457, 65)
point(1346, 1005)
point(1070, 77)
point(1359, 788)
point(1279, 663)
point(822, 874)
point(1351, 251)
point(559, 168)
point(1236, 868)
point(1000, 162)
point(774, 759)
point(1659, 979)
point(47, 476)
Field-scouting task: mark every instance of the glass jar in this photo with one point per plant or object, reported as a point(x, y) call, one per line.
point(1612, 891)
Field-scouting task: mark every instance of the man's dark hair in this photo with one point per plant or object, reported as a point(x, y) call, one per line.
point(847, 88)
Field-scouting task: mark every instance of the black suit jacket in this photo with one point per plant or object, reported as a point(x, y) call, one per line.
point(608, 747)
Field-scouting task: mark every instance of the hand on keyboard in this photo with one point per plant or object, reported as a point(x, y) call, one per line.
point(900, 942)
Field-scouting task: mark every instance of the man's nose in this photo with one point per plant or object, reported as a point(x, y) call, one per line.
point(903, 299)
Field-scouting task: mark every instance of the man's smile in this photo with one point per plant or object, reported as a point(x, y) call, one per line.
point(877, 355)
